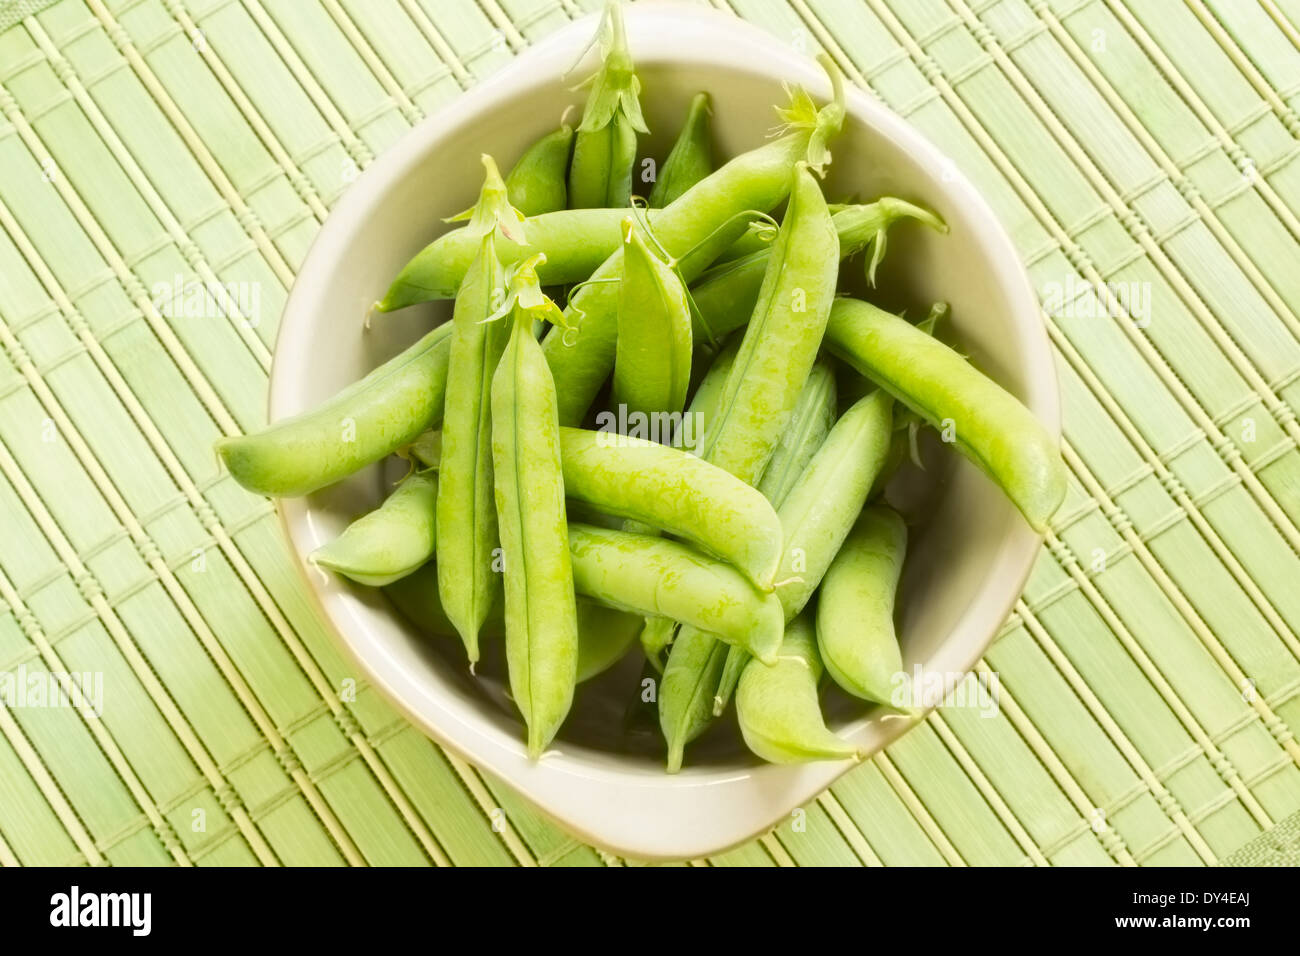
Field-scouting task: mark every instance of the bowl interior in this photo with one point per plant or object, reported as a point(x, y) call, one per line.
point(967, 554)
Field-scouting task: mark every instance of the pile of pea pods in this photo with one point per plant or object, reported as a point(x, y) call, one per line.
point(745, 550)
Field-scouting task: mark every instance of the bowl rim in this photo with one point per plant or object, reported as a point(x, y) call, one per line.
point(659, 33)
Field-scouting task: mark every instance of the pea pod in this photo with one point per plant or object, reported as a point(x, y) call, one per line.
point(389, 542)
point(693, 229)
point(604, 635)
point(661, 578)
point(990, 426)
point(652, 365)
point(371, 418)
point(855, 608)
point(777, 707)
point(816, 517)
point(674, 491)
point(575, 243)
point(467, 521)
point(782, 339)
point(540, 613)
point(604, 151)
point(659, 632)
point(691, 158)
point(694, 668)
point(725, 296)
point(814, 414)
point(813, 417)
point(536, 184)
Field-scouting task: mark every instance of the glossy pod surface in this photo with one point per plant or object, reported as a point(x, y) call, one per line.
point(988, 424)
point(391, 541)
point(855, 607)
point(536, 184)
point(371, 418)
point(691, 158)
point(657, 577)
point(674, 491)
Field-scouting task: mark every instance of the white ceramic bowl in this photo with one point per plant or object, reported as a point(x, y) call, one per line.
point(967, 562)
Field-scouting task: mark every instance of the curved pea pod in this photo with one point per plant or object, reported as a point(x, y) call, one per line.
point(820, 510)
point(694, 229)
point(656, 577)
point(782, 339)
point(652, 364)
point(676, 492)
point(691, 158)
point(389, 542)
point(990, 426)
point(737, 661)
point(371, 418)
point(814, 414)
point(855, 607)
point(604, 151)
point(725, 296)
point(704, 403)
point(575, 243)
point(693, 670)
point(540, 612)
point(536, 184)
point(778, 708)
point(604, 635)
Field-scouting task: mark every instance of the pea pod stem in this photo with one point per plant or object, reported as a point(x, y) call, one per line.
point(989, 425)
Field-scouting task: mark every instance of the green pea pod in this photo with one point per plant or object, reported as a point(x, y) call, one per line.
point(659, 632)
point(656, 577)
point(814, 414)
point(604, 635)
point(782, 339)
point(777, 707)
point(426, 451)
point(725, 296)
point(694, 668)
point(575, 243)
point(604, 151)
point(389, 542)
point(694, 229)
point(673, 491)
point(813, 417)
point(820, 510)
point(652, 365)
point(536, 184)
point(855, 607)
point(371, 418)
point(691, 158)
point(467, 521)
point(989, 425)
point(540, 613)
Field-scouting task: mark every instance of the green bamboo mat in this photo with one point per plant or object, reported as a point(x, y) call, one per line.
point(1143, 155)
